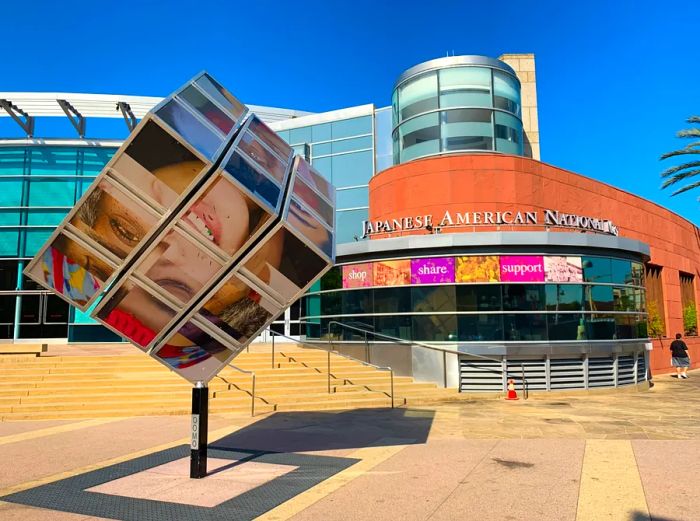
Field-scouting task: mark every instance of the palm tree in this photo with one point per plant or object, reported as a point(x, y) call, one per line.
point(687, 170)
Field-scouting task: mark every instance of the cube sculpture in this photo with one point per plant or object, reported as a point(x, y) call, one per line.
point(202, 229)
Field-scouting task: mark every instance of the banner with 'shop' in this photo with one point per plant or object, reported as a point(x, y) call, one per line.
point(200, 231)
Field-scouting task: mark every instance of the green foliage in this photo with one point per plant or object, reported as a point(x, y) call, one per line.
point(684, 171)
point(690, 319)
point(655, 325)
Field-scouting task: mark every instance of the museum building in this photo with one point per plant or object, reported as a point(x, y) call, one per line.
point(460, 253)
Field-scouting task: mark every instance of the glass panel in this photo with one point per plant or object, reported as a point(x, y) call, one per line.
point(397, 327)
point(321, 132)
point(270, 138)
point(480, 327)
point(285, 264)
point(300, 135)
point(112, 219)
point(357, 197)
point(206, 108)
point(420, 136)
point(73, 270)
point(310, 227)
point(190, 128)
point(566, 327)
point(392, 300)
point(349, 224)
point(523, 297)
point(173, 167)
point(44, 192)
point(597, 269)
point(348, 145)
point(221, 95)
point(435, 298)
point(351, 127)
point(525, 327)
point(626, 326)
point(625, 299)
point(136, 314)
point(435, 328)
point(56, 310)
point(193, 353)
point(637, 269)
point(357, 301)
point(226, 216)
point(418, 95)
point(467, 129)
point(332, 279)
point(178, 266)
point(352, 169)
point(564, 297)
point(238, 310)
point(254, 180)
point(331, 303)
point(506, 92)
point(599, 298)
point(382, 139)
point(600, 327)
point(322, 149)
point(479, 298)
point(465, 87)
point(621, 271)
point(509, 134)
point(254, 149)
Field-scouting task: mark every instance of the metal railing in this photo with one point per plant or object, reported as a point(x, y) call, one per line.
point(329, 351)
point(252, 392)
point(523, 380)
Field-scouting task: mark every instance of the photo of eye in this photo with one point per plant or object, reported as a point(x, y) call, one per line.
point(179, 266)
point(225, 216)
point(112, 219)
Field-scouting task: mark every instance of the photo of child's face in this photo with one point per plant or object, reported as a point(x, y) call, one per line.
point(113, 220)
point(179, 266)
point(225, 216)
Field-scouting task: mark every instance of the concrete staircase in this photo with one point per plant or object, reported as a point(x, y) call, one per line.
point(63, 387)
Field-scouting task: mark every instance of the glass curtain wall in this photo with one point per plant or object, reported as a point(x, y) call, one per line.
point(459, 108)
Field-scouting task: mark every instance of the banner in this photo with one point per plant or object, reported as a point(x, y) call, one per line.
point(432, 270)
point(522, 268)
point(478, 269)
point(563, 269)
point(357, 275)
point(392, 273)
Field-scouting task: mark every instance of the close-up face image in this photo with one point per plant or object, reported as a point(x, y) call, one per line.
point(179, 266)
point(112, 219)
point(254, 149)
point(225, 216)
point(309, 226)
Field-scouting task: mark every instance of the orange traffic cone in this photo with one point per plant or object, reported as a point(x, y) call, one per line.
point(512, 395)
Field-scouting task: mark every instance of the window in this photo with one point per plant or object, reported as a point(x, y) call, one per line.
point(480, 327)
point(464, 129)
point(564, 297)
point(435, 298)
point(392, 300)
point(506, 92)
point(568, 326)
point(465, 87)
point(525, 327)
point(479, 297)
point(690, 318)
point(420, 136)
point(523, 297)
point(597, 269)
point(655, 301)
point(418, 95)
point(357, 302)
point(435, 328)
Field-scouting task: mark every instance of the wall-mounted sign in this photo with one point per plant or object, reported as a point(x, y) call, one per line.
point(358, 275)
point(450, 219)
point(433, 270)
point(392, 273)
point(478, 269)
point(563, 269)
point(522, 268)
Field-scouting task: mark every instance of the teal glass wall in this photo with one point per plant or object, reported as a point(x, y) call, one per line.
point(38, 186)
point(457, 108)
point(344, 152)
point(610, 304)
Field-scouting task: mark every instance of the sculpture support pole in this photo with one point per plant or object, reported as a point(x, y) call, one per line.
point(198, 445)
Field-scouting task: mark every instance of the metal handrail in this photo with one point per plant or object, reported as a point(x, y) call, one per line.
point(252, 393)
point(329, 351)
point(444, 351)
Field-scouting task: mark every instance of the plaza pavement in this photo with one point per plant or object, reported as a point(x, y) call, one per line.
point(575, 456)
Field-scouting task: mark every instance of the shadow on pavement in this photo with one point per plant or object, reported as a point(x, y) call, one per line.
point(642, 516)
point(316, 431)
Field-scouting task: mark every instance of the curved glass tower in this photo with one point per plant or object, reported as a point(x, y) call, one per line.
point(456, 104)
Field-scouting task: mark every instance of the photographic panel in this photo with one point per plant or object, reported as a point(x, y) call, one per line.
point(222, 96)
point(310, 227)
point(284, 265)
point(170, 167)
point(71, 269)
point(313, 200)
point(239, 310)
point(226, 216)
point(268, 136)
point(136, 313)
point(210, 111)
point(253, 179)
point(179, 266)
point(193, 130)
point(194, 353)
point(255, 150)
point(563, 269)
point(478, 268)
point(392, 273)
point(314, 179)
point(112, 219)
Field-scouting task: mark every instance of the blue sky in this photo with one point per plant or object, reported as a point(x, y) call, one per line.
point(616, 79)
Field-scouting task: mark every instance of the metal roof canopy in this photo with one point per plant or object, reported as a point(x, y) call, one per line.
point(24, 107)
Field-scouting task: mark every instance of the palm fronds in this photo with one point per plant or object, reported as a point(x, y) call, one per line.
point(687, 170)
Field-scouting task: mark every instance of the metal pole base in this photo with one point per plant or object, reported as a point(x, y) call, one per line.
point(198, 446)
